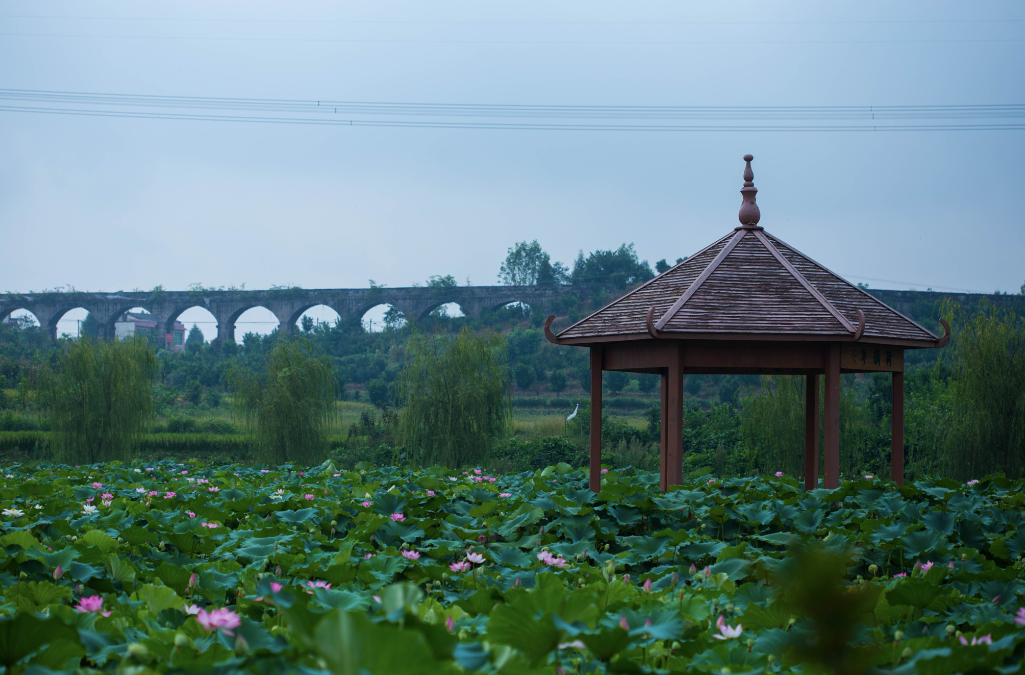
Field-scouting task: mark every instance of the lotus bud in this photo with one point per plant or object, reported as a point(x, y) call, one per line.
point(676, 579)
point(23, 575)
point(906, 654)
point(241, 646)
point(277, 571)
point(729, 608)
point(78, 589)
point(59, 572)
point(693, 570)
point(675, 645)
point(138, 651)
point(626, 578)
point(707, 572)
point(181, 640)
point(898, 636)
point(450, 625)
point(193, 581)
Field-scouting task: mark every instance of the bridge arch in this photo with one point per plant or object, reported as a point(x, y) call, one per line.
point(450, 309)
point(254, 318)
point(382, 316)
point(320, 313)
point(191, 315)
point(19, 314)
point(67, 322)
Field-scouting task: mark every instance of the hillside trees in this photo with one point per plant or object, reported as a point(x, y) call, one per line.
point(619, 268)
point(528, 265)
point(98, 396)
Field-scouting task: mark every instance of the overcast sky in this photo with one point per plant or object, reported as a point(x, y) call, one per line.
point(107, 203)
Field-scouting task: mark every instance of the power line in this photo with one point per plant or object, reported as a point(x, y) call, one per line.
point(971, 117)
point(830, 41)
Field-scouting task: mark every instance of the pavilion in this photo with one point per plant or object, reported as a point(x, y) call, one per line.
point(749, 304)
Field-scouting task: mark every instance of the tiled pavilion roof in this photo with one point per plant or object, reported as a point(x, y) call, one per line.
point(749, 285)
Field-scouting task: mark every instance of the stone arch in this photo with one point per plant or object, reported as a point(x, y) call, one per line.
point(509, 305)
point(196, 314)
point(259, 319)
point(448, 305)
point(9, 313)
point(317, 311)
point(61, 324)
point(373, 318)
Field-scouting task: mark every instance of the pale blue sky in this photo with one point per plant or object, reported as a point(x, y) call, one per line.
point(110, 203)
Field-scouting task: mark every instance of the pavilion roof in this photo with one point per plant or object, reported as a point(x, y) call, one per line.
point(748, 285)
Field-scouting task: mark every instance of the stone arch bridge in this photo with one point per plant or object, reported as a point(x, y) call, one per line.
point(287, 305)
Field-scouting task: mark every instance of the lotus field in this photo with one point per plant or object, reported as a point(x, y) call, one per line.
point(164, 567)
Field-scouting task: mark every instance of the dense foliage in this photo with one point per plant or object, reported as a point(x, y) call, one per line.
point(240, 569)
point(98, 398)
point(287, 404)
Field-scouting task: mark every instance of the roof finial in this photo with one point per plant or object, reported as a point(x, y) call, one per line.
point(749, 213)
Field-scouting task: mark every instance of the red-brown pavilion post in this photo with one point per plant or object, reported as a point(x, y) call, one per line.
point(831, 454)
point(811, 431)
point(596, 366)
point(897, 451)
point(674, 437)
point(663, 443)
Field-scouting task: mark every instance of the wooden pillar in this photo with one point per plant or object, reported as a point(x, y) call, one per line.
point(663, 442)
point(673, 474)
point(596, 366)
point(831, 451)
point(811, 431)
point(897, 451)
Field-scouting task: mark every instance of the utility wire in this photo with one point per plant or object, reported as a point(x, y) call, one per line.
point(971, 117)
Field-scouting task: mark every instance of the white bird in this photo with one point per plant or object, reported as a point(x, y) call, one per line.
point(574, 413)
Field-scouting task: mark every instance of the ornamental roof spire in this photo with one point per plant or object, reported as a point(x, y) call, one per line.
point(749, 213)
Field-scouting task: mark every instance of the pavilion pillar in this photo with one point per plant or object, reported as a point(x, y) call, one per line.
point(811, 431)
point(672, 473)
point(595, 463)
point(831, 454)
point(897, 450)
point(663, 442)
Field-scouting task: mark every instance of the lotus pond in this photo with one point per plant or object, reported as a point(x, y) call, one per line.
point(164, 567)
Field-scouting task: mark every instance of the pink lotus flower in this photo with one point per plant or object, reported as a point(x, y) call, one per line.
point(460, 566)
point(368, 556)
point(335, 475)
point(264, 470)
point(184, 473)
point(366, 505)
point(898, 576)
point(411, 555)
point(275, 587)
point(450, 625)
point(90, 500)
point(430, 493)
point(190, 609)
point(169, 495)
point(623, 623)
point(726, 631)
point(477, 479)
point(191, 514)
point(927, 566)
point(475, 558)
point(213, 488)
point(377, 599)
point(779, 474)
point(477, 471)
point(97, 485)
point(398, 517)
point(92, 604)
point(984, 640)
point(310, 585)
point(106, 496)
point(710, 481)
point(548, 559)
point(149, 468)
point(868, 476)
point(1020, 616)
point(218, 618)
point(490, 479)
point(604, 470)
point(647, 586)
point(505, 494)
point(212, 526)
point(973, 482)
point(153, 493)
point(309, 497)
point(951, 564)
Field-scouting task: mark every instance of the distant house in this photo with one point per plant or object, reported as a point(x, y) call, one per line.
point(130, 323)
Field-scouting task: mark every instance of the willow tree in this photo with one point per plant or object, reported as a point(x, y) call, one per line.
point(287, 405)
point(987, 394)
point(99, 396)
point(456, 396)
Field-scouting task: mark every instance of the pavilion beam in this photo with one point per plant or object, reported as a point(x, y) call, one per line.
point(897, 436)
point(811, 431)
point(831, 454)
point(595, 464)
